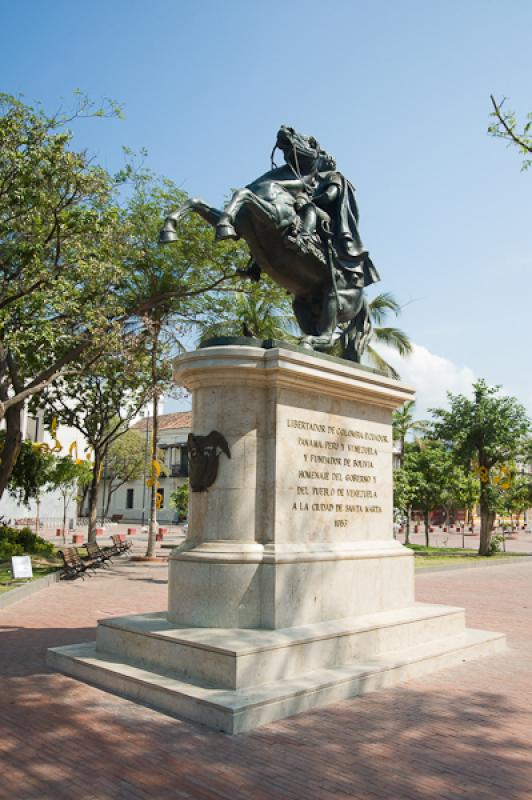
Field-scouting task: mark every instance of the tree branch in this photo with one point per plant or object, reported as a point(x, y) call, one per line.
point(508, 128)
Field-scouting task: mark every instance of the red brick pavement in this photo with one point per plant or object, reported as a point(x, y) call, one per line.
point(461, 733)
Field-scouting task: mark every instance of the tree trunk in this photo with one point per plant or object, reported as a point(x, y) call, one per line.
point(407, 533)
point(65, 504)
point(81, 500)
point(12, 444)
point(487, 518)
point(110, 493)
point(93, 496)
point(152, 529)
point(426, 521)
point(37, 515)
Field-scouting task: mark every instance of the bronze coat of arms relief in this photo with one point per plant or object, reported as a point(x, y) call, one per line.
point(203, 456)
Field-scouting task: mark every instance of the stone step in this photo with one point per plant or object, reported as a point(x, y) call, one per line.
point(245, 709)
point(242, 658)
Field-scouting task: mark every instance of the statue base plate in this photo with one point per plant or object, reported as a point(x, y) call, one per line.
point(235, 680)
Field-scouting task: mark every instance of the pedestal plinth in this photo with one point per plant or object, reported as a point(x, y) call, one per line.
point(297, 528)
point(290, 590)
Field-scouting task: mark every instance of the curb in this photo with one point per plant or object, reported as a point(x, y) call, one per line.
point(21, 592)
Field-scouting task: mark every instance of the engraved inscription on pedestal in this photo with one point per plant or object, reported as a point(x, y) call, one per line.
point(337, 476)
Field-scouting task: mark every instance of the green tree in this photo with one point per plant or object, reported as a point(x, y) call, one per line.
point(68, 476)
point(31, 472)
point(403, 422)
point(506, 126)
point(458, 491)
point(404, 494)
point(127, 460)
point(172, 288)
point(518, 496)
point(432, 475)
point(60, 249)
point(379, 308)
point(486, 434)
point(179, 500)
point(262, 311)
point(100, 405)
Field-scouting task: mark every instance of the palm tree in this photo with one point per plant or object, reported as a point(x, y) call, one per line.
point(261, 311)
point(395, 338)
point(403, 422)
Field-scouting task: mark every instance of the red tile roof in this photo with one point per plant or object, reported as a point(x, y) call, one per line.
point(181, 419)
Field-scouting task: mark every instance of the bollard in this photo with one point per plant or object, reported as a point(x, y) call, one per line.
point(131, 531)
point(58, 532)
point(158, 537)
point(77, 538)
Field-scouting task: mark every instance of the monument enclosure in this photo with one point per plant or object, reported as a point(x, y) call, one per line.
point(290, 591)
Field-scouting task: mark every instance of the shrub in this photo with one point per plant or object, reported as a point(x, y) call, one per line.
point(179, 499)
point(8, 549)
point(14, 542)
point(496, 544)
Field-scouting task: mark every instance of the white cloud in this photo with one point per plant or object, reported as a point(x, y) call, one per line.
point(432, 376)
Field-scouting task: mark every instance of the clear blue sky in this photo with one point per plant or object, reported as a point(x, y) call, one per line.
point(397, 90)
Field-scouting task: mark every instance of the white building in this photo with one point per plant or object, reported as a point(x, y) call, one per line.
point(131, 501)
point(51, 503)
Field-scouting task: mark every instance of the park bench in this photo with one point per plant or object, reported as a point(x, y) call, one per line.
point(74, 565)
point(99, 554)
point(121, 543)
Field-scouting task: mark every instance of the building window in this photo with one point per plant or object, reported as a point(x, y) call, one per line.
point(130, 498)
point(184, 461)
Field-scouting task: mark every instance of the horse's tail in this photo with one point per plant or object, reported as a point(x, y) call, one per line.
point(358, 334)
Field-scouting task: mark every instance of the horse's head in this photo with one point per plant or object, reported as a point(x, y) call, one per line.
point(301, 152)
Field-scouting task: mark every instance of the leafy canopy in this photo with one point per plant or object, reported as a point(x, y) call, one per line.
point(487, 429)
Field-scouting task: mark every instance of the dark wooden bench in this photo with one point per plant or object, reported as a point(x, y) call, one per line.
point(74, 565)
point(98, 554)
point(121, 543)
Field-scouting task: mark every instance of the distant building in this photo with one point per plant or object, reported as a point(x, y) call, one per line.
point(131, 501)
point(51, 503)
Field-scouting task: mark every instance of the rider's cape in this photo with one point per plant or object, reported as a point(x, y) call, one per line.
point(345, 226)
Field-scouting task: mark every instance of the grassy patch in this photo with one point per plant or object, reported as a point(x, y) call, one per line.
point(41, 567)
point(456, 556)
point(422, 550)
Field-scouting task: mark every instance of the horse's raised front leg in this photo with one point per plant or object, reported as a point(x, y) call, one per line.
point(169, 230)
point(225, 229)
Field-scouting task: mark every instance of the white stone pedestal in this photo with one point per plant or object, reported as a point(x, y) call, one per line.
point(290, 591)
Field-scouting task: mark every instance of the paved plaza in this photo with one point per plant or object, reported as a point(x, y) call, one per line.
point(461, 733)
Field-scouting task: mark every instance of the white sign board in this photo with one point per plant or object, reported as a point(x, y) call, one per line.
point(21, 567)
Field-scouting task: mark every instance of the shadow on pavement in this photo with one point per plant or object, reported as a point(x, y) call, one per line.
point(62, 738)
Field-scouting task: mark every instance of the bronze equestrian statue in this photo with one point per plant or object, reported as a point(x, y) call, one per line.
point(300, 222)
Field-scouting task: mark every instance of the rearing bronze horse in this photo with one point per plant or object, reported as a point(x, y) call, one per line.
point(300, 222)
